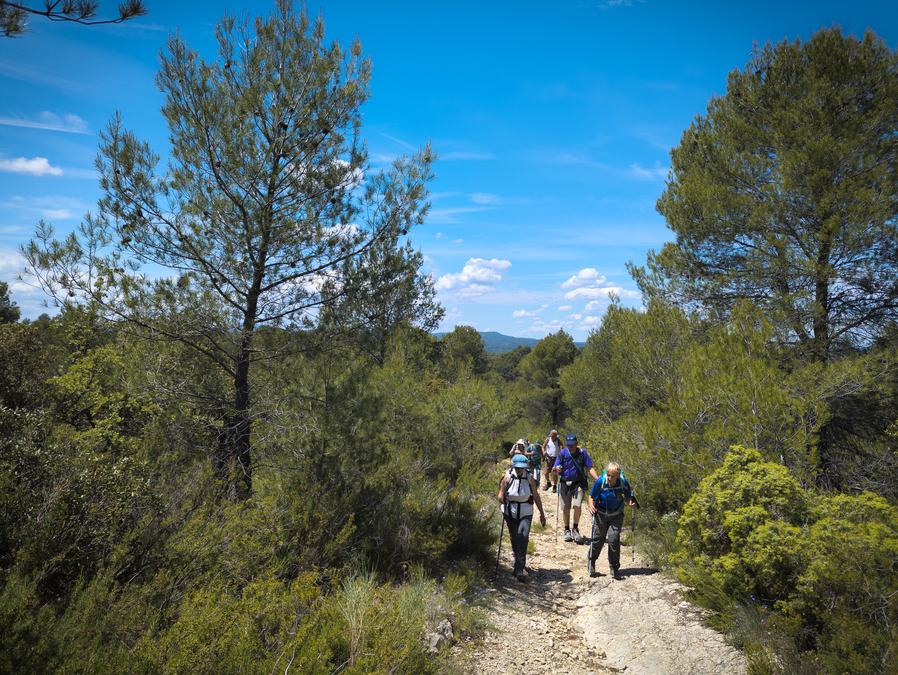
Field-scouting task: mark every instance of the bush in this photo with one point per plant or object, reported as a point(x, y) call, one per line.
point(819, 569)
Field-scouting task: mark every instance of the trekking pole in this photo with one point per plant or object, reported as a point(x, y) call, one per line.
point(634, 533)
point(592, 539)
point(501, 532)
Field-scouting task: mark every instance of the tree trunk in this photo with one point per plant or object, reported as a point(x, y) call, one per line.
point(820, 345)
point(233, 458)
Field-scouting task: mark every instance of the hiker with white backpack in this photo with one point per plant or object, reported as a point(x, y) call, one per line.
point(518, 492)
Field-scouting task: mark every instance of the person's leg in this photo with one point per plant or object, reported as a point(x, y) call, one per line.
point(577, 504)
point(513, 535)
point(601, 532)
point(523, 539)
point(565, 496)
point(614, 527)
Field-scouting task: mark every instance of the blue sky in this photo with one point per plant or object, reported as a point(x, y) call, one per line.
point(553, 122)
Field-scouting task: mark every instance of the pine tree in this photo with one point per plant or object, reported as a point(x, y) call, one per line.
point(268, 214)
point(784, 193)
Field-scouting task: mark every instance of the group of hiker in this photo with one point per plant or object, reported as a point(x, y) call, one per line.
point(567, 473)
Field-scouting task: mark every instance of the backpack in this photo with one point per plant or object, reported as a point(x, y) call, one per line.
point(513, 476)
point(603, 483)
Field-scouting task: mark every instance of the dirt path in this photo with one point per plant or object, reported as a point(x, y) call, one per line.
point(563, 621)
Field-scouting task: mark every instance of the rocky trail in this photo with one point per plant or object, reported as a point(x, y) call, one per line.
point(566, 622)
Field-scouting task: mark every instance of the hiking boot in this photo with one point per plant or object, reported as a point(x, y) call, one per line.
point(616, 575)
point(591, 568)
point(547, 486)
point(567, 535)
point(579, 538)
point(554, 488)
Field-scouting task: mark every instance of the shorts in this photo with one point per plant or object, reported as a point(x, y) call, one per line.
point(568, 493)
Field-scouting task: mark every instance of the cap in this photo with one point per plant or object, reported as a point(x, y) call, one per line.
point(519, 461)
point(570, 439)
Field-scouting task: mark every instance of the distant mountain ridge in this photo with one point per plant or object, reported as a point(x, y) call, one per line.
point(494, 342)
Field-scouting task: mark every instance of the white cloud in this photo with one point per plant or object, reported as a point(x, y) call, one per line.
point(591, 321)
point(576, 317)
point(465, 156)
point(592, 293)
point(476, 273)
point(35, 166)
point(484, 198)
point(474, 290)
point(449, 216)
point(67, 123)
point(658, 172)
point(11, 262)
point(521, 313)
point(586, 276)
point(458, 241)
point(565, 308)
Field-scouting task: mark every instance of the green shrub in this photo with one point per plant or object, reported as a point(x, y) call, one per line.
point(821, 572)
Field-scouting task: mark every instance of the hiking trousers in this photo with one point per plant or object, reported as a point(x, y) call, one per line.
point(610, 525)
point(519, 529)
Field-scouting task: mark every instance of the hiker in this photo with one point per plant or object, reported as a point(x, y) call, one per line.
point(550, 451)
point(606, 504)
point(519, 448)
point(571, 465)
point(535, 454)
point(517, 493)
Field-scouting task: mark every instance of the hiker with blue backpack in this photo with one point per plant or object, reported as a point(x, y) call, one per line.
point(518, 493)
point(609, 494)
point(572, 464)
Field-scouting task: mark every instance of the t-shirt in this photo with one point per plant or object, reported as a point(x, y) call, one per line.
point(536, 457)
point(610, 498)
point(551, 448)
point(569, 470)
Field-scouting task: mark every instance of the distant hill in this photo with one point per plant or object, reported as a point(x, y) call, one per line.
point(495, 342)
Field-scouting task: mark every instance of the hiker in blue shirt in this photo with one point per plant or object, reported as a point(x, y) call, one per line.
point(606, 504)
point(572, 465)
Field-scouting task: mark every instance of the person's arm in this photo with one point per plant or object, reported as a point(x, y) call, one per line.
point(502, 485)
point(628, 493)
point(534, 490)
point(591, 466)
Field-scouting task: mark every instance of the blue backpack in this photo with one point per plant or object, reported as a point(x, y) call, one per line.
point(603, 484)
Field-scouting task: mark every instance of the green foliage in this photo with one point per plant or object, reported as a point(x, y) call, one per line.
point(462, 350)
point(318, 246)
point(820, 567)
point(763, 208)
point(506, 363)
point(727, 523)
point(628, 365)
point(9, 311)
point(729, 385)
point(27, 359)
point(539, 390)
